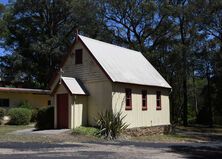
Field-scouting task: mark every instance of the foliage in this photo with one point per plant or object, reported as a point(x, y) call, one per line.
point(39, 33)
point(2, 112)
point(34, 110)
point(45, 118)
point(19, 116)
point(88, 131)
point(111, 124)
point(25, 104)
point(34, 114)
point(180, 38)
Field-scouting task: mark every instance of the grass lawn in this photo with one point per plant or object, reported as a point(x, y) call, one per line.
point(5, 135)
point(86, 134)
point(5, 129)
point(87, 131)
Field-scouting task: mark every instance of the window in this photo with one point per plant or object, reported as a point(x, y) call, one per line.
point(144, 100)
point(158, 100)
point(49, 102)
point(4, 102)
point(78, 56)
point(128, 99)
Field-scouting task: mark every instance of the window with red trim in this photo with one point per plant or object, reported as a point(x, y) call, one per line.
point(158, 100)
point(128, 99)
point(144, 100)
point(78, 56)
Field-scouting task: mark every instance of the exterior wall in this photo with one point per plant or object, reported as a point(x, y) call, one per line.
point(96, 83)
point(138, 117)
point(36, 100)
point(79, 111)
point(99, 99)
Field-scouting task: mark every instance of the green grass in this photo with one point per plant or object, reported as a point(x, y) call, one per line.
point(6, 136)
point(5, 129)
point(88, 131)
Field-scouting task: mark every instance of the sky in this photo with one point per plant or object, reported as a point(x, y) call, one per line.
point(3, 2)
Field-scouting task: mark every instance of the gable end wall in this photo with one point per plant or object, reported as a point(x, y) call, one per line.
point(94, 80)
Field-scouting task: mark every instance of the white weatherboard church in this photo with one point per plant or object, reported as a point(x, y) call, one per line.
point(98, 76)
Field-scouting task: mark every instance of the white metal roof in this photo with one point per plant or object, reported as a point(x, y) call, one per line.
point(124, 65)
point(73, 86)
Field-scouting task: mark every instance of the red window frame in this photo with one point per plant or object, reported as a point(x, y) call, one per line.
point(78, 56)
point(158, 100)
point(144, 100)
point(128, 99)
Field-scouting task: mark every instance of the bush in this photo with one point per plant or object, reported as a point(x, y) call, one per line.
point(88, 131)
point(111, 124)
point(45, 118)
point(19, 116)
point(2, 113)
point(34, 114)
point(25, 104)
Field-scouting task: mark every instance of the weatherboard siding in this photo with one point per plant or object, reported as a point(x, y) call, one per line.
point(138, 117)
point(99, 99)
point(84, 110)
point(88, 71)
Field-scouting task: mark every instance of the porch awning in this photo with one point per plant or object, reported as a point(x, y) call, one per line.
point(73, 86)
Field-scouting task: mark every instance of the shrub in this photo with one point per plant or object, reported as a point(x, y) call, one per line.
point(111, 124)
point(45, 118)
point(19, 116)
point(34, 114)
point(88, 131)
point(2, 112)
point(25, 104)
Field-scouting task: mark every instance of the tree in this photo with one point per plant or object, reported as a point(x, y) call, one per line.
point(39, 33)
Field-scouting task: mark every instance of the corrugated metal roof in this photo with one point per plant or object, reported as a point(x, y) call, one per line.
point(124, 65)
point(73, 86)
point(24, 90)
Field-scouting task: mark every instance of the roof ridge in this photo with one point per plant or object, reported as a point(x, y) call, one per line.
point(114, 45)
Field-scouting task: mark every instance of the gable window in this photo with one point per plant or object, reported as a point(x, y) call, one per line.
point(144, 100)
point(158, 100)
point(4, 102)
point(78, 56)
point(128, 99)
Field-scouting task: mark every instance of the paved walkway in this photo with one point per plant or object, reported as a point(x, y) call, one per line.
point(32, 131)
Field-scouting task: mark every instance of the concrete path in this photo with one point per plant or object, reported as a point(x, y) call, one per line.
point(32, 131)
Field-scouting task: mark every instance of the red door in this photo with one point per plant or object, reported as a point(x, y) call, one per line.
point(62, 111)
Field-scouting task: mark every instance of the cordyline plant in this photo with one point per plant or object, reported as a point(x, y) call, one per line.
point(111, 124)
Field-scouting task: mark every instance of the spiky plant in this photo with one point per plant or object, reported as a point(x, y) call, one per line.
point(111, 124)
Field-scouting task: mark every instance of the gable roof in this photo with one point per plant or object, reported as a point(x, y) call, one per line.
point(124, 65)
point(73, 86)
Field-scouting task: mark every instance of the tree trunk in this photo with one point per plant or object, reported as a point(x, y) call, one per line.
point(185, 101)
point(195, 95)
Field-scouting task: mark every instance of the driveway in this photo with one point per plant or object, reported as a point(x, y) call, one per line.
point(110, 150)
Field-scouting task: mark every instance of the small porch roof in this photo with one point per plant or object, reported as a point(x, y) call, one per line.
point(73, 86)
